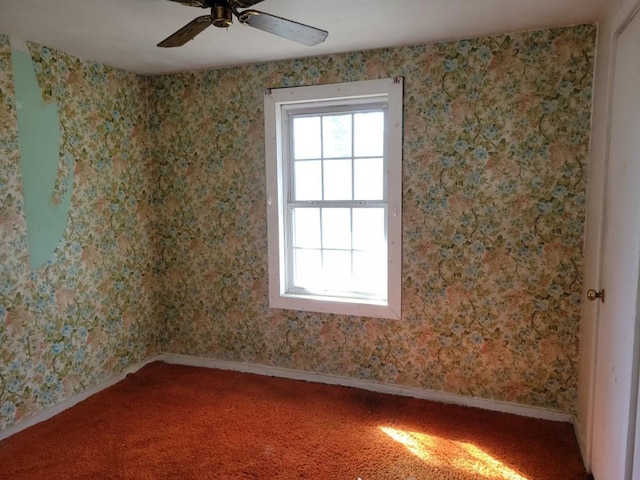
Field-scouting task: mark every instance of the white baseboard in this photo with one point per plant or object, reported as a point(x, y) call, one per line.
point(72, 400)
point(493, 405)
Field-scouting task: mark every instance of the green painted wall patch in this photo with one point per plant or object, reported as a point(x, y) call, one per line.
point(39, 142)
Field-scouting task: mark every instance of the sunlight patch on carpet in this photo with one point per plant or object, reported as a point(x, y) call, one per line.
point(442, 452)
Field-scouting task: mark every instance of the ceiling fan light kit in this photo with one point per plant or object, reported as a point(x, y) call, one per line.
point(222, 13)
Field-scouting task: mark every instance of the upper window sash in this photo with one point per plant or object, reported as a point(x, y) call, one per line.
point(296, 111)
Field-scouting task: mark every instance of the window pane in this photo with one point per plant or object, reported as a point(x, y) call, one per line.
point(307, 268)
point(306, 228)
point(308, 183)
point(368, 230)
point(336, 228)
point(369, 179)
point(369, 134)
point(306, 138)
point(337, 270)
point(337, 180)
point(370, 273)
point(336, 136)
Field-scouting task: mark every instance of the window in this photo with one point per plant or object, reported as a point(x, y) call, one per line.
point(334, 197)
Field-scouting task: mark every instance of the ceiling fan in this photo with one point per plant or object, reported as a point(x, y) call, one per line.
point(222, 13)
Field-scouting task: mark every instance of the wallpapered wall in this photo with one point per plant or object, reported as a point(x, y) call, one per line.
point(165, 245)
point(88, 313)
point(495, 147)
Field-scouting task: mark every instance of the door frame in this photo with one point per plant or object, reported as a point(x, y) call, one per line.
point(624, 17)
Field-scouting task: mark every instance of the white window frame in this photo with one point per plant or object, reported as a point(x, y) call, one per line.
point(277, 105)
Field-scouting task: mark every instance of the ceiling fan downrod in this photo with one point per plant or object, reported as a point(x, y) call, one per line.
point(221, 14)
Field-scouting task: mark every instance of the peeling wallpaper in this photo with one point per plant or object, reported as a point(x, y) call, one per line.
point(495, 149)
point(88, 313)
point(165, 247)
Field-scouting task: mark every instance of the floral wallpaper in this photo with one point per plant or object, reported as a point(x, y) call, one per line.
point(165, 245)
point(89, 312)
point(495, 149)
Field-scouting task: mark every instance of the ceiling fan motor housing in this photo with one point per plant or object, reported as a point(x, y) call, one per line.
point(221, 15)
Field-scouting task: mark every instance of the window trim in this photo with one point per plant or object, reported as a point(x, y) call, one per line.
point(276, 103)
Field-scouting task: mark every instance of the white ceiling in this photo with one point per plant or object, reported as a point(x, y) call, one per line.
point(124, 33)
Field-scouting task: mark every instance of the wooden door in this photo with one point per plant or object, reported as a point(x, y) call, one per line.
point(616, 378)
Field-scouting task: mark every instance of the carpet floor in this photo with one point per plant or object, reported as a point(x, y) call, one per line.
point(176, 422)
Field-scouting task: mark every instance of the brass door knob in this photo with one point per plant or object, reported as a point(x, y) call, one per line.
point(594, 295)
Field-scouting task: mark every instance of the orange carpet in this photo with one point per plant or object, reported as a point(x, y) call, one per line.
point(176, 422)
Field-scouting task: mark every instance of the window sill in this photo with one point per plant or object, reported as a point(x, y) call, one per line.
point(336, 305)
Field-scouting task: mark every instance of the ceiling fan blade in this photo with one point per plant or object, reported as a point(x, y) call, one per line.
point(186, 33)
point(192, 3)
point(244, 3)
point(282, 27)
